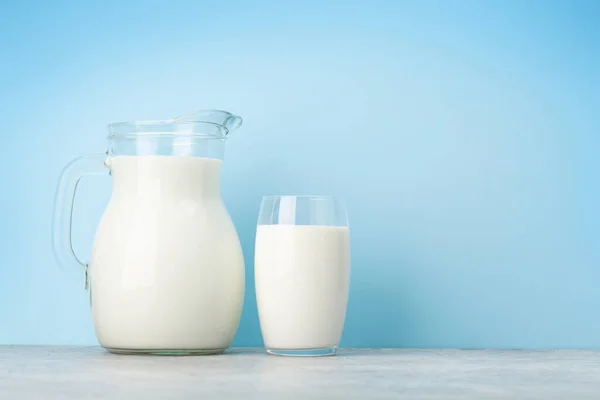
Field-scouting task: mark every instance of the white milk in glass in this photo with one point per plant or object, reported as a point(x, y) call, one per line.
point(302, 276)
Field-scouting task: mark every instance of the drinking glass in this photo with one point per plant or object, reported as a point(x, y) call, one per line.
point(302, 274)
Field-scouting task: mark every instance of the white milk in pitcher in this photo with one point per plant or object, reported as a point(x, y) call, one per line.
point(167, 270)
point(302, 276)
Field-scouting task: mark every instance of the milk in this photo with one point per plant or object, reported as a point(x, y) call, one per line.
point(167, 270)
point(302, 276)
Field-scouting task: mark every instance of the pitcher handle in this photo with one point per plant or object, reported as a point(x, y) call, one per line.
point(62, 219)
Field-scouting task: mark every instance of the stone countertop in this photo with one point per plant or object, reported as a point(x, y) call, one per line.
point(52, 373)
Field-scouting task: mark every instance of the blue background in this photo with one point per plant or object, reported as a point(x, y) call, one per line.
point(464, 136)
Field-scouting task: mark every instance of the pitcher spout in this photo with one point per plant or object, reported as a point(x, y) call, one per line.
point(226, 120)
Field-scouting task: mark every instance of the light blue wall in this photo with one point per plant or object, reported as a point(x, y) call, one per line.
point(464, 136)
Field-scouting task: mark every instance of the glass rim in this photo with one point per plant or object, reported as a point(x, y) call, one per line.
point(302, 209)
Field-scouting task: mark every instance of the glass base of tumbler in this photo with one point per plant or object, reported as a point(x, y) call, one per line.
point(168, 352)
point(326, 351)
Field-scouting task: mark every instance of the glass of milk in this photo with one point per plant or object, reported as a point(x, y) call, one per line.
point(302, 274)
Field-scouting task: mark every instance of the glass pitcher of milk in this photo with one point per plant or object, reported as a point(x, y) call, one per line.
point(166, 273)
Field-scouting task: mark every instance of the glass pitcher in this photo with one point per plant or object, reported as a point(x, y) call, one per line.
point(166, 273)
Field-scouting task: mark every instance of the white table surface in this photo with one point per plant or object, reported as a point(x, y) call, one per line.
point(51, 373)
